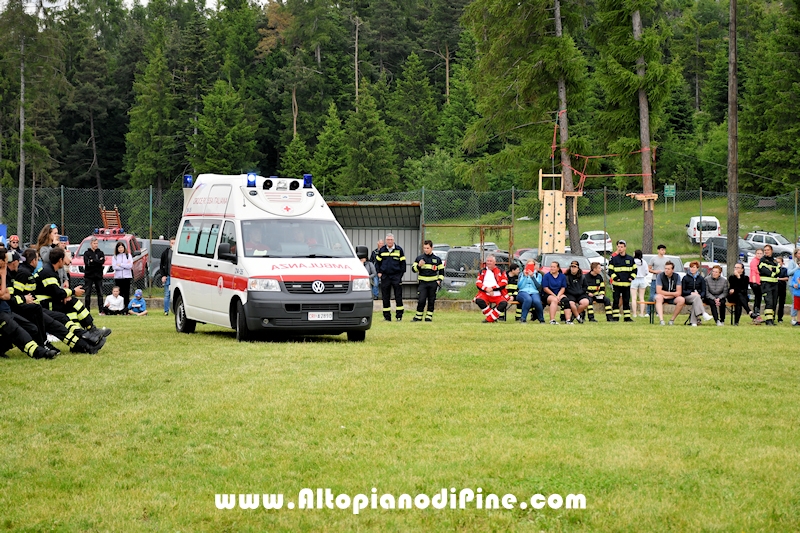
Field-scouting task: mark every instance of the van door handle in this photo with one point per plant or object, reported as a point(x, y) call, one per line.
point(208, 264)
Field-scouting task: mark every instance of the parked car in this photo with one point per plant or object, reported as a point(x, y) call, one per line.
point(488, 246)
point(648, 258)
point(710, 227)
point(705, 268)
point(597, 240)
point(526, 255)
point(591, 255)
point(108, 239)
point(464, 263)
point(780, 244)
point(159, 245)
point(440, 248)
point(564, 260)
point(716, 249)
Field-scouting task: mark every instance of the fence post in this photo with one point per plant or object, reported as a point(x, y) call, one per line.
point(795, 217)
point(605, 213)
point(148, 283)
point(511, 233)
point(63, 229)
point(422, 215)
point(701, 219)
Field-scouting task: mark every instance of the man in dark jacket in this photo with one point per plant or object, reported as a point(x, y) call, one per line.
point(93, 261)
point(693, 289)
point(166, 263)
point(391, 266)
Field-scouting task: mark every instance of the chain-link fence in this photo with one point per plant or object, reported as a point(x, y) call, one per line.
point(77, 214)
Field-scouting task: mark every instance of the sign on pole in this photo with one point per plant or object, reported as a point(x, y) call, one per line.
point(670, 191)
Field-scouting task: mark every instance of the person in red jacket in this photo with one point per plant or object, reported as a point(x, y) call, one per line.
point(492, 290)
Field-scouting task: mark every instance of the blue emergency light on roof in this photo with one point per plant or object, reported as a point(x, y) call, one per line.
point(307, 179)
point(188, 181)
point(96, 231)
point(251, 179)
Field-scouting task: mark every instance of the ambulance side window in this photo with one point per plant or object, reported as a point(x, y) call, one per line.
point(207, 241)
point(187, 242)
point(229, 235)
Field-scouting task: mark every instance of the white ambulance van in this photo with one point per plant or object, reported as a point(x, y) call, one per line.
point(266, 255)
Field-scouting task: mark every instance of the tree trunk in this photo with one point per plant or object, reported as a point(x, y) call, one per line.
point(697, 73)
point(21, 190)
point(318, 55)
point(644, 138)
point(566, 162)
point(2, 219)
point(357, 22)
point(94, 158)
point(447, 73)
point(33, 207)
point(294, 111)
point(733, 142)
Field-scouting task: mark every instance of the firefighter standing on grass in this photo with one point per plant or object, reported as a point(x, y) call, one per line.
point(390, 263)
point(768, 269)
point(621, 271)
point(430, 275)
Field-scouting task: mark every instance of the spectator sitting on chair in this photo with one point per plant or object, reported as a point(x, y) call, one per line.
point(576, 293)
point(491, 285)
point(137, 306)
point(738, 283)
point(693, 287)
point(555, 286)
point(512, 275)
point(716, 294)
point(528, 287)
point(115, 304)
point(596, 287)
point(668, 291)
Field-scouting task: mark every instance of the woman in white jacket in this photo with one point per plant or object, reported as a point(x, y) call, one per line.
point(122, 263)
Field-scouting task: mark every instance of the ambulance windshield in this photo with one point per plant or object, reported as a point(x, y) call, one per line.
point(294, 238)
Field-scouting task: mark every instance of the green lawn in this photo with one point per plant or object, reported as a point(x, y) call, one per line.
point(662, 429)
point(670, 227)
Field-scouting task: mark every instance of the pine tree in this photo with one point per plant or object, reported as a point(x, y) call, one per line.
point(442, 32)
point(151, 145)
point(226, 139)
point(457, 114)
point(330, 157)
point(413, 114)
point(295, 160)
point(371, 160)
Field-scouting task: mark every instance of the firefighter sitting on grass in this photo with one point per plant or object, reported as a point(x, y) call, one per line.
point(491, 285)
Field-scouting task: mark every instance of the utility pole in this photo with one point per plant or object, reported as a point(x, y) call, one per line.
point(733, 144)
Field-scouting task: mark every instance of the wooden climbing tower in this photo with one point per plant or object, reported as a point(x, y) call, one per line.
point(553, 214)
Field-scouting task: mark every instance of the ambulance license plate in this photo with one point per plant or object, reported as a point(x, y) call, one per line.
point(320, 316)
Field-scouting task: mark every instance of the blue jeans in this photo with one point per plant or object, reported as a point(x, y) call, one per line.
point(166, 295)
point(376, 289)
point(530, 299)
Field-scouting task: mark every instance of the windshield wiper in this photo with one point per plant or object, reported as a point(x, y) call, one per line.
point(319, 256)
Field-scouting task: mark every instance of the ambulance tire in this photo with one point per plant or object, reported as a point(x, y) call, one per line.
point(242, 333)
point(356, 336)
point(182, 324)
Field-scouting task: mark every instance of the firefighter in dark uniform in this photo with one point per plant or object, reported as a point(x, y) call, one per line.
point(430, 275)
point(391, 266)
point(512, 288)
point(596, 287)
point(59, 325)
point(10, 332)
point(769, 269)
point(52, 296)
point(621, 271)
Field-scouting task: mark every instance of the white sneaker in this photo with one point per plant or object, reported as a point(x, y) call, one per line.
point(694, 325)
point(707, 317)
point(720, 323)
point(794, 322)
point(662, 323)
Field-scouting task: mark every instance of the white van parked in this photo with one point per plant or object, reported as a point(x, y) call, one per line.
point(710, 227)
point(266, 255)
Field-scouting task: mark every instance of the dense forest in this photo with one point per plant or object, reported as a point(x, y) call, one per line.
point(386, 95)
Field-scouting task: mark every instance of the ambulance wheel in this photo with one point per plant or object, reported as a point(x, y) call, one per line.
point(356, 336)
point(242, 333)
point(182, 324)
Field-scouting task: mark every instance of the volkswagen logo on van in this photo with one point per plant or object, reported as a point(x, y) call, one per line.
point(318, 287)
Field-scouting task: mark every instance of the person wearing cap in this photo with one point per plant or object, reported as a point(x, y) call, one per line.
point(13, 244)
point(94, 260)
point(576, 293)
point(137, 306)
point(430, 275)
point(621, 271)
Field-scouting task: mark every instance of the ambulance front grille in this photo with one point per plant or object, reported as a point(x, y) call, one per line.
point(299, 322)
point(304, 287)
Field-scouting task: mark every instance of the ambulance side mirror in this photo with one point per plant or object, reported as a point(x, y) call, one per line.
point(362, 251)
point(224, 253)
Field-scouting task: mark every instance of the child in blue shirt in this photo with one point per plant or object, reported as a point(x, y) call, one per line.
point(137, 305)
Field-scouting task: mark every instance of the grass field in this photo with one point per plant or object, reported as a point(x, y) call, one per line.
point(662, 429)
point(670, 227)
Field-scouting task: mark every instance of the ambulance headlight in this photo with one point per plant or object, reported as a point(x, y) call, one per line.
point(361, 284)
point(73, 269)
point(262, 284)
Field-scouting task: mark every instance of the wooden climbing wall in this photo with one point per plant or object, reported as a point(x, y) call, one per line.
point(552, 222)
